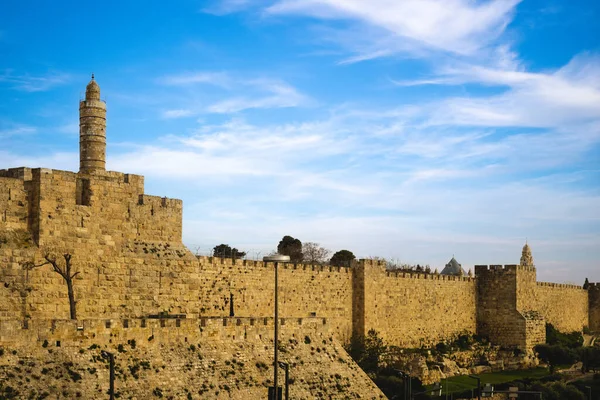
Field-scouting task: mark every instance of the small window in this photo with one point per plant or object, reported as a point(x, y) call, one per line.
point(84, 192)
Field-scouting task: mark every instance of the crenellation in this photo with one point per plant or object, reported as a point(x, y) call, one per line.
point(132, 264)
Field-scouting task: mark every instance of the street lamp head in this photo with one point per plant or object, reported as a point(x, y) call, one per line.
point(276, 258)
point(105, 354)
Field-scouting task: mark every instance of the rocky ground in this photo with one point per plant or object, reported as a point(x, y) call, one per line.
point(431, 366)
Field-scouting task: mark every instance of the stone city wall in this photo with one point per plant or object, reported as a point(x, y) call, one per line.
point(497, 314)
point(594, 307)
point(304, 290)
point(13, 204)
point(66, 332)
point(217, 358)
point(564, 306)
point(411, 310)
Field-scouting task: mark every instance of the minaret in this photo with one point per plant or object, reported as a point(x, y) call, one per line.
point(526, 257)
point(92, 130)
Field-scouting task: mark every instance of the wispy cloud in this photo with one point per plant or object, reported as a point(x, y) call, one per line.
point(570, 95)
point(456, 26)
point(240, 94)
point(30, 83)
point(213, 78)
point(16, 130)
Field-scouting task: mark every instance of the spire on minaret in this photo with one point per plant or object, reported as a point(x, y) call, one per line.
point(526, 257)
point(92, 130)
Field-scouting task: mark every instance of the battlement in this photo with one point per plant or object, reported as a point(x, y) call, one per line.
point(559, 285)
point(594, 286)
point(103, 331)
point(372, 263)
point(435, 277)
point(216, 261)
point(22, 173)
point(500, 269)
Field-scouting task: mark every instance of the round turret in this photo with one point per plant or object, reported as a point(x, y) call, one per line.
point(92, 130)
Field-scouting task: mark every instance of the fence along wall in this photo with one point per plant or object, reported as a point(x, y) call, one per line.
point(410, 310)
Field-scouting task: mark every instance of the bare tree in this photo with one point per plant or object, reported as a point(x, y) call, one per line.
point(314, 253)
point(66, 271)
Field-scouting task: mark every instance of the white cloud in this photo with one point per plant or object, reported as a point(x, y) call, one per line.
point(570, 95)
point(213, 78)
point(19, 130)
point(29, 83)
point(240, 94)
point(455, 26)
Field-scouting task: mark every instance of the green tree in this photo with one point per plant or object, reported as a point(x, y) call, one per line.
point(342, 258)
point(586, 284)
point(571, 340)
point(292, 247)
point(225, 251)
point(554, 355)
point(367, 351)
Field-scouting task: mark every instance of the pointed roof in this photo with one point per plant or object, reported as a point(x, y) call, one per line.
point(453, 268)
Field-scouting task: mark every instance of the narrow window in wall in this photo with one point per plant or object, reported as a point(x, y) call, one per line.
point(84, 192)
point(9, 194)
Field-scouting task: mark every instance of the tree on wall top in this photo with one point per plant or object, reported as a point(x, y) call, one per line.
point(586, 284)
point(226, 251)
point(342, 258)
point(292, 247)
point(315, 254)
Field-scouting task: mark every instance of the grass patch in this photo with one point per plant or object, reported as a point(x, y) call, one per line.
point(463, 383)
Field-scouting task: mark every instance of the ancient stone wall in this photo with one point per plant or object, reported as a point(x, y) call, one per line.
point(220, 358)
point(497, 315)
point(304, 290)
point(594, 307)
point(564, 306)
point(411, 310)
point(130, 260)
point(13, 204)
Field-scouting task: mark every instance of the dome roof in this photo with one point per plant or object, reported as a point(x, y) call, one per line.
point(92, 90)
point(453, 268)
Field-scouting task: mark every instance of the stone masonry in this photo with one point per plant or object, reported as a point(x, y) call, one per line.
point(131, 263)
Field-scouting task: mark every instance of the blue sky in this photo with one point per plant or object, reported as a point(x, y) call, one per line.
point(403, 129)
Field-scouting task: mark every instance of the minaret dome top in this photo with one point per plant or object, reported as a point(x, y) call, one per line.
point(92, 91)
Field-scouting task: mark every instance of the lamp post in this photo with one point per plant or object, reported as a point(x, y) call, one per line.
point(589, 388)
point(276, 259)
point(286, 366)
point(111, 359)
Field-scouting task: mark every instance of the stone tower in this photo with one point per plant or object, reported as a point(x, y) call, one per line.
point(92, 130)
point(526, 257)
